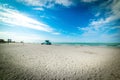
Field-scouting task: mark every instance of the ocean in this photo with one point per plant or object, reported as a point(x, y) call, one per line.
point(88, 44)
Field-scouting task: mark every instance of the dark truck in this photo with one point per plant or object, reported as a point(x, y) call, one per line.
point(47, 42)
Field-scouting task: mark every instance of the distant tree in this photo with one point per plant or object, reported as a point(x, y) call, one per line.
point(2, 41)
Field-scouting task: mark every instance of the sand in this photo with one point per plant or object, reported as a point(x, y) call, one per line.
point(58, 62)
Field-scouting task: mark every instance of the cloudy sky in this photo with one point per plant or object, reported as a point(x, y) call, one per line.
point(60, 20)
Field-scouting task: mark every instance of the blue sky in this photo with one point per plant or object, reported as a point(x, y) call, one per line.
point(60, 20)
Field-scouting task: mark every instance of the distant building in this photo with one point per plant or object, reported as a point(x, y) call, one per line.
point(21, 42)
point(9, 40)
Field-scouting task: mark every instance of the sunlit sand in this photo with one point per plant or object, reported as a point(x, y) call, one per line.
point(58, 62)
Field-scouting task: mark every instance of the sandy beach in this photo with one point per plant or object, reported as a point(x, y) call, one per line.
point(58, 62)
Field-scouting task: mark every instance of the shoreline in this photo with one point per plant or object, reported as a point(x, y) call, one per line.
point(76, 45)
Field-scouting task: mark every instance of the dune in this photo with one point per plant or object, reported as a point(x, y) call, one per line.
point(51, 62)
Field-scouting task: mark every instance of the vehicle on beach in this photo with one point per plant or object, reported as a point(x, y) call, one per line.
point(47, 42)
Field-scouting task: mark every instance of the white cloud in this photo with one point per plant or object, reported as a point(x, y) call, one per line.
point(46, 3)
point(112, 9)
point(90, 34)
point(64, 2)
point(51, 3)
point(44, 16)
point(56, 33)
point(115, 9)
point(97, 14)
point(112, 28)
point(98, 23)
point(83, 28)
point(33, 2)
point(100, 28)
point(103, 21)
point(88, 1)
point(39, 9)
point(113, 37)
point(21, 36)
point(15, 18)
point(111, 14)
point(116, 27)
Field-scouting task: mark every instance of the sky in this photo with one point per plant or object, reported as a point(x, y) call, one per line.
point(60, 20)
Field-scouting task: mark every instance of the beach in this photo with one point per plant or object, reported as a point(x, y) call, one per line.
point(20, 61)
